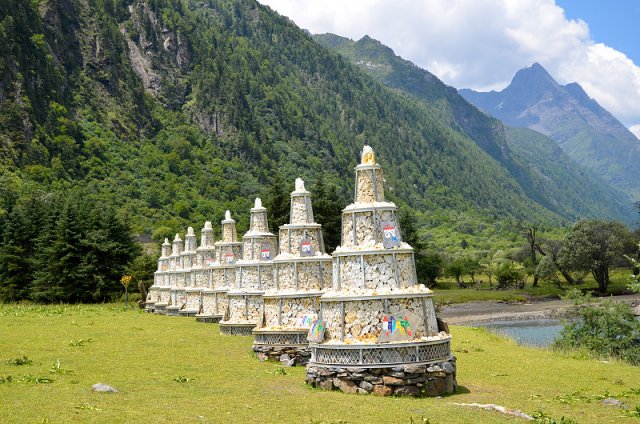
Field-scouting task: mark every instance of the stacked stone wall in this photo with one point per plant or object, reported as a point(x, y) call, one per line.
point(255, 277)
point(379, 271)
point(244, 311)
point(367, 228)
point(311, 275)
point(403, 380)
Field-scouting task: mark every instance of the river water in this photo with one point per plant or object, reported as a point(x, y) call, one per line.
point(534, 332)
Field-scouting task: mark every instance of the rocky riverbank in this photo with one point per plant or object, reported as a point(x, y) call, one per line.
point(472, 313)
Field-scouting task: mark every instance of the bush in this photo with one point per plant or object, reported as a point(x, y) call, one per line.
point(508, 277)
point(606, 329)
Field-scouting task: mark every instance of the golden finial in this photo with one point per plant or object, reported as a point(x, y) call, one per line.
point(368, 157)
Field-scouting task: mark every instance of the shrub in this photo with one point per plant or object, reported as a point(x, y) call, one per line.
point(607, 329)
point(508, 276)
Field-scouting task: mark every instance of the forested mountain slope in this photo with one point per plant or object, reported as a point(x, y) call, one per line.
point(176, 110)
point(547, 175)
point(588, 133)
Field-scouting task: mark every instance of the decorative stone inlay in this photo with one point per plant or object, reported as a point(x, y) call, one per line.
point(369, 184)
point(291, 236)
point(376, 270)
point(354, 320)
point(229, 234)
point(244, 307)
point(251, 275)
point(193, 300)
point(361, 225)
point(214, 303)
point(287, 312)
point(303, 274)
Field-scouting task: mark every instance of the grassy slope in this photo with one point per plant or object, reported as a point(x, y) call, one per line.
point(141, 355)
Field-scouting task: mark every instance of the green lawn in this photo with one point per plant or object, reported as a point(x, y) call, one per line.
point(142, 355)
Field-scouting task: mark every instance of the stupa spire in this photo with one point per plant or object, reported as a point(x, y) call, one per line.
point(369, 181)
point(229, 233)
point(301, 209)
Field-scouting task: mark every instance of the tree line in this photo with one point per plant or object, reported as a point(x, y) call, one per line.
point(66, 246)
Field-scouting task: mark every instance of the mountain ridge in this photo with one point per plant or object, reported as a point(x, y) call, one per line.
point(588, 133)
point(489, 134)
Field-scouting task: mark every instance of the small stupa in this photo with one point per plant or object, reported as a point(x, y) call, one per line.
point(254, 275)
point(302, 273)
point(182, 273)
point(171, 277)
point(160, 279)
point(200, 272)
point(377, 329)
point(222, 274)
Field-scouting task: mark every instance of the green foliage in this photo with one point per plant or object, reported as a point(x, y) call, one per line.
point(508, 276)
point(277, 203)
point(431, 266)
point(23, 360)
point(634, 283)
point(327, 210)
point(80, 342)
point(539, 417)
point(595, 246)
point(62, 246)
point(604, 329)
point(142, 269)
point(28, 378)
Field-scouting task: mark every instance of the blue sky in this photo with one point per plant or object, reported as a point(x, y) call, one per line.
point(613, 22)
point(481, 44)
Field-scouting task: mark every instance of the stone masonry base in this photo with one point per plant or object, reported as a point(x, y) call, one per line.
point(404, 380)
point(287, 355)
point(208, 318)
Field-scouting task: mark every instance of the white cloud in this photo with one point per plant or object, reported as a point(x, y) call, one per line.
point(635, 130)
point(480, 44)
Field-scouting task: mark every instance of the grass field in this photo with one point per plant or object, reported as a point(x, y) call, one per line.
point(172, 369)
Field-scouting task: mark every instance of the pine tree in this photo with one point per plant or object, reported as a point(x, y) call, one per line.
point(327, 210)
point(429, 265)
point(277, 202)
point(15, 267)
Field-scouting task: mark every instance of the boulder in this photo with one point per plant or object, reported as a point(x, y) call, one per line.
point(392, 381)
point(365, 385)
point(407, 391)
point(103, 388)
point(346, 386)
point(380, 390)
point(447, 367)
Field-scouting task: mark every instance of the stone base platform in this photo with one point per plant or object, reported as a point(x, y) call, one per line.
point(289, 347)
point(419, 368)
point(231, 329)
point(160, 308)
point(149, 307)
point(173, 311)
point(187, 313)
point(401, 380)
point(208, 318)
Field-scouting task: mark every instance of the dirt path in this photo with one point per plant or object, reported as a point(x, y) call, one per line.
point(481, 312)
